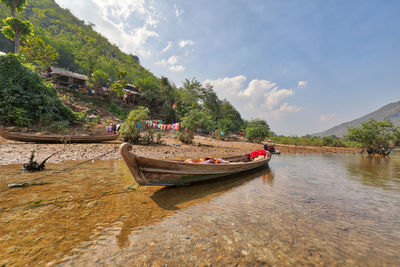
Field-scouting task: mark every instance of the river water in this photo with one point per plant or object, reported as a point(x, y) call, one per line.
point(335, 210)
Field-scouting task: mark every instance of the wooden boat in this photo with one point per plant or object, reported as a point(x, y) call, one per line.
point(57, 138)
point(148, 171)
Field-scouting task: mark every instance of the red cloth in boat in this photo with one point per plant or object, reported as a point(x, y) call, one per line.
point(258, 152)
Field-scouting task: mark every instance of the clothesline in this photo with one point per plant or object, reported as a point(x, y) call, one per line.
point(157, 124)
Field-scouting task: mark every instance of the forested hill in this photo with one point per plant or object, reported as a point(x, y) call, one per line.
point(83, 50)
point(390, 111)
point(80, 48)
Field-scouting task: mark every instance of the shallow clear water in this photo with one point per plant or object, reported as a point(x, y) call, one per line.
point(304, 209)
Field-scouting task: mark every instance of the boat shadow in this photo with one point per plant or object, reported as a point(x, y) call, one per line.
point(169, 197)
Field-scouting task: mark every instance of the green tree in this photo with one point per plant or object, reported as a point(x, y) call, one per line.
point(210, 101)
point(194, 120)
point(168, 98)
point(37, 52)
point(375, 137)
point(198, 119)
point(119, 85)
point(188, 96)
point(17, 30)
point(229, 113)
point(150, 89)
point(100, 78)
point(257, 130)
point(193, 89)
point(15, 5)
point(14, 28)
point(89, 56)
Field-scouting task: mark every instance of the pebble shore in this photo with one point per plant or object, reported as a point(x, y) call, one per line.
point(13, 152)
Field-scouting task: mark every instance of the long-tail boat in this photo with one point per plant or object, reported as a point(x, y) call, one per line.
point(147, 171)
point(23, 137)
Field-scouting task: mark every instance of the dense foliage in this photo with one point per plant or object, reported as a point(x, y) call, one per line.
point(37, 52)
point(195, 120)
point(376, 137)
point(26, 100)
point(257, 130)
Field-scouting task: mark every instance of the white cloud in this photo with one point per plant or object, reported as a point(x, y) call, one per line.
point(227, 87)
point(260, 98)
point(169, 45)
point(177, 68)
point(162, 62)
point(302, 84)
point(128, 24)
point(173, 60)
point(327, 117)
point(275, 97)
point(178, 12)
point(170, 61)
point(184, 43)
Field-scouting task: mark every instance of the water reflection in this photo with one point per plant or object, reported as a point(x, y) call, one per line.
point(375, 171)
point(169, 197)
point(76, 206)
point(305, 210)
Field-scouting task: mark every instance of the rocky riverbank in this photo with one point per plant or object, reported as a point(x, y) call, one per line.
point(12, 152)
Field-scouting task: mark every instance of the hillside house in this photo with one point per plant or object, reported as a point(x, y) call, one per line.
point(131, 94)
point(66, 78)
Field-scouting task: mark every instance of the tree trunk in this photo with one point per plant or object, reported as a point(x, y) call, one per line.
point(17, 41)
point(13, 8)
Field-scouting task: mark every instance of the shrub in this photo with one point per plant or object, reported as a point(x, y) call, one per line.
point(257, 130)
point(193, 121)
point(376, 137)
point(25, 98)
point(132, 127)
point(133, 130)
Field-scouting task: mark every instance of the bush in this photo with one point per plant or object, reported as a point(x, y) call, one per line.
point(376, 137)
point(257, 130)
point(25, 98)
point(133, 130)
point(193, 121)
point(132, 127)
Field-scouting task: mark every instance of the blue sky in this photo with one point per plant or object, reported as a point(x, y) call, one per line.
point(302, 65)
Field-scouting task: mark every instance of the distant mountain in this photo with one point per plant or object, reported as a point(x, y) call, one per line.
point(391, 111)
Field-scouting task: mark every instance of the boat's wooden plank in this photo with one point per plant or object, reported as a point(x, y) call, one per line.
point(183, 172)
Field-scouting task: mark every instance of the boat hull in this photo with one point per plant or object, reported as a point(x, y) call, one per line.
point(57, 139)
point(168, 172)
